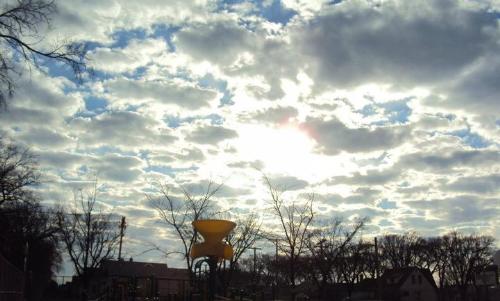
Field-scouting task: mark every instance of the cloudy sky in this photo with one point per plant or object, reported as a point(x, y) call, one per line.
point(385, 109)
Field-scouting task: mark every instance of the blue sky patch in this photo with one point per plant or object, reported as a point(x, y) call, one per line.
point(121, 38)
point(472, 139)
point(176, 121)
point(275, 12)
point(167, 33)
point(96, 104)
point(167, 170)
point(386, 204)
point(208, 81)
point(397, 111)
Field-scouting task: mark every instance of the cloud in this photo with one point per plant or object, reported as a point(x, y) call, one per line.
point(118, 168)
point(136, 54)
point(59, 159)
point(333, 136)
point(476, 89)
point(366, 196)
point(274, 115)
point(394, 42)
point(247, 164)
point(459, 209)
point(210, 134)
point(480, 185)
point(288, 183)
point(121, 129)
point(371, 177)
point(445, 161)
point(102, 18)
point(219, 42)
point(128, 91)
point(45, 138)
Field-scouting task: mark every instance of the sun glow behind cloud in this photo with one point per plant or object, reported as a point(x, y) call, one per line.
point(286, 149)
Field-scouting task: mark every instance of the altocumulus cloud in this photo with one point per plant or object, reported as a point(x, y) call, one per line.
point(398, 100)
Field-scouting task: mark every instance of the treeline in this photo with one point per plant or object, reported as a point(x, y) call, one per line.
point(322, 253)
point(33, 237)
point(455, 260)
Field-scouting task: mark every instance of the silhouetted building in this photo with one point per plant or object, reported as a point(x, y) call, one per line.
point(408, 284)
point(11, 281)
point(126, 280)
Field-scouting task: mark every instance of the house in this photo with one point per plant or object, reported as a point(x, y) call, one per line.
point(124, 280)
point(408, 284)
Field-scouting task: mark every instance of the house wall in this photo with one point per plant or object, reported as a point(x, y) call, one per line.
point(415, 290)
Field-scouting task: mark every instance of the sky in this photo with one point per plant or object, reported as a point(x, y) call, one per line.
point(383, 109)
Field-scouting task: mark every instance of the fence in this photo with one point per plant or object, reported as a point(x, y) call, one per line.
point(11, 281)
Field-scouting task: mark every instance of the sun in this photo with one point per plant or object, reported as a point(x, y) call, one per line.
point(286, 149)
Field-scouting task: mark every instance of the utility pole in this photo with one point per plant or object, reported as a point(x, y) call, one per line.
point(377, 270)
point(123, 225)
point(254, 271)
point(255, 258)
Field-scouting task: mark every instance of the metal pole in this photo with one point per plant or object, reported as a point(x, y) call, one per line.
point(122, 228)
point(212, 262)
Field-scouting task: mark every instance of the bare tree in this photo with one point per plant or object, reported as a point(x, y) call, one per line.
point(20, 38)
point(18, 171)
point(294, 220)
point(178, 214)
point(325, 245)
point(467, 257)
point(89, 235)
point(352, 263)
point(242, 238)
point(404, 250)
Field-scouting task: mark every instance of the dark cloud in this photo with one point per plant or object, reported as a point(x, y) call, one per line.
point(210, 134)
point(121, 129)
point(451, 160)
point(371, 177)
point(333, 136)
point(43, 138)
point(288, 183)
point(247, 164)
point(477, 90)
point(479, 185)
point(138, 91)
point(223, 43)
point(219, 42)
point(117, 168)
point(459, 209)
point(397, 43)
point(365, 196)
point(60, 159)
point(274, 115)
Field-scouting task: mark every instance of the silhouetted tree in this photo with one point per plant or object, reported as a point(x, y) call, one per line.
point(243, 237)
point(178, 214)
point(325, 245)
point(20, 24)
point(352, 263)
point(27, 231)
point(294, 220)
point(18, 172)
point(89, 235)
point(401, 250)
point(467, 255)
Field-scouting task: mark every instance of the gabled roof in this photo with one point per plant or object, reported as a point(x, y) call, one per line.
point(142, 269)
point(397, 277)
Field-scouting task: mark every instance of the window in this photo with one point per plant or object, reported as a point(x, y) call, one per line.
point(419, 279)
point(412, 279)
